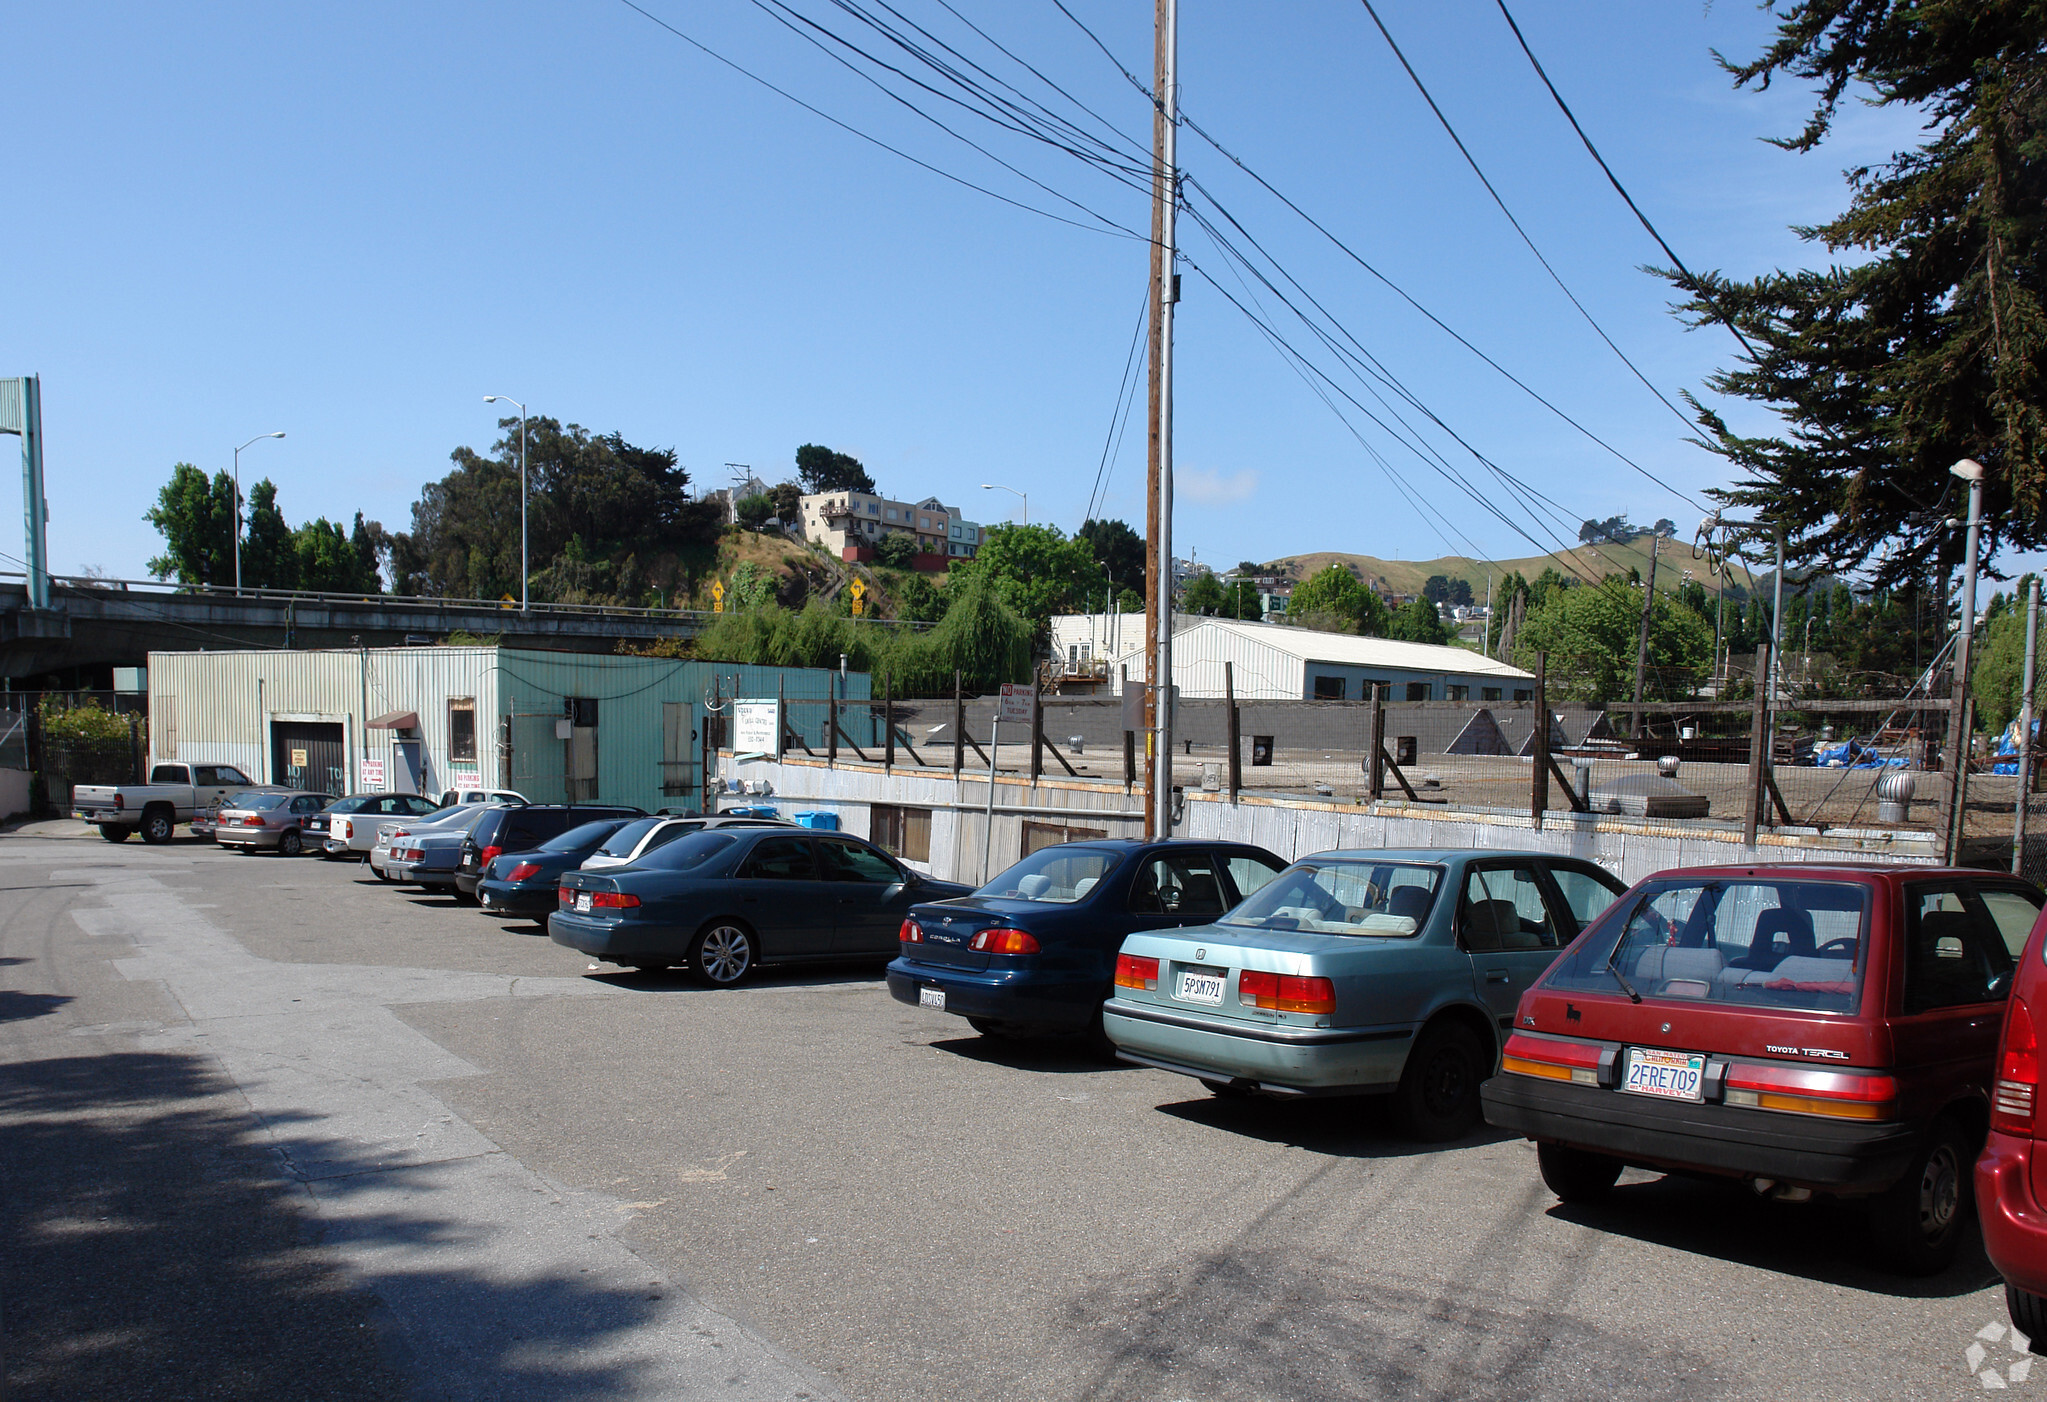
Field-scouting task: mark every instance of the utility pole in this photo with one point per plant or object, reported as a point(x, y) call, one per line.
point(1970, 471)
point(2025, 786)
point(1158, 537)
point(1642, 644)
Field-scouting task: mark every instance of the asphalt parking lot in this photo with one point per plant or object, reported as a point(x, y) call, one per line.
point(269, 1128)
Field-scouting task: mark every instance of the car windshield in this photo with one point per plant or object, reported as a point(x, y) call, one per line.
point(1054, 875)
point(1387, 899)
point(1767, 943)
point(622, 842)
point(259, 802)
point(687, 853)
point(578, 838)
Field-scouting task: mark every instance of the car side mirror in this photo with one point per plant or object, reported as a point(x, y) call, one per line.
point(894, 889)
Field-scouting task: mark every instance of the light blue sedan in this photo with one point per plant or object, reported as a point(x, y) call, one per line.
point(1355, 973)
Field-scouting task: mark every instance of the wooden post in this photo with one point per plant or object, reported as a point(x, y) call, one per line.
point(1037, 728)
point(1233, 729)
point(1375, 751)
point(888, 722)
point(959, 725)
point(1538, 792)
point(1758, 755)
point(1129, 742)
point(831, 752)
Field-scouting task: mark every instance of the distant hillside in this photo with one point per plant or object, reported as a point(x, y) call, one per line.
point(1591, 561)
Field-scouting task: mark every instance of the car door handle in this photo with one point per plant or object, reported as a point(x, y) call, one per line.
point(1496, 975)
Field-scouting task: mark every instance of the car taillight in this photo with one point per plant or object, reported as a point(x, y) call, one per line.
point(911, 933)
point(2017, 1090)
point(1811, 1091)
point(487, 853)
point(613, 900)
point(1552, 1059)
point(566, 894)
point(522, 871)
point(410, 854)
point(343, 829)
point(1003, 941)
point(1285, 993)
point(120, 802)
point(1136, 971)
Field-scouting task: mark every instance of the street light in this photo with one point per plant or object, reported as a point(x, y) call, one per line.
point(492, 399)
point(1024, 497)
point(238, 504)
point(1970, 471)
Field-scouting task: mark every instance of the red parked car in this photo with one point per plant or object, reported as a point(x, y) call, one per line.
point(1804, 1029)
point(2011, 1175)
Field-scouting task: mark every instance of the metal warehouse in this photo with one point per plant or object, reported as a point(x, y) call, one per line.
point(555, 726)
point(1275, 662)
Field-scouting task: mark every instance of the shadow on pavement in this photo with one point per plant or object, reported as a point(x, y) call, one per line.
point(767, 978)
point(1820, 1240)
point(153, 1248)
point(16, 1006)
point(1058, 1055)
point(1346, 1126)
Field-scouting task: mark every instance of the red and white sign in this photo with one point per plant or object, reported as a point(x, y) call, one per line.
point(1019, 700)
point(372, 775)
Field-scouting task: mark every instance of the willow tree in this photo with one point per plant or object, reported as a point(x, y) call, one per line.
point(1922, 341)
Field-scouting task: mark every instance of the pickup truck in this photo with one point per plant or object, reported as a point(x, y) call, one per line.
point(175, 793)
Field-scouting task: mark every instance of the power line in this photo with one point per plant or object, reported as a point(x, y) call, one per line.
point(1115, 231)
point(1124, 398)
point(1612, 179)
point(1472, 161)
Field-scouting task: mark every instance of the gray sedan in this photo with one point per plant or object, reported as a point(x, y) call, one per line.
point(274, 820)
point(390, 829)
point(430, 857)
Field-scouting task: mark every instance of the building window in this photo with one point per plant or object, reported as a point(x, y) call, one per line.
point(901, 832)
point(1329, 688)
point(1038, 836)
point(1523, 693)
point(1457, 693)
point(1417, 691)
point(872, 509)
point(891, 513)
point(462, 729)
point(1488, 693)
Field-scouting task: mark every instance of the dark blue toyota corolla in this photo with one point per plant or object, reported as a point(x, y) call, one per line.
point(1034, 950)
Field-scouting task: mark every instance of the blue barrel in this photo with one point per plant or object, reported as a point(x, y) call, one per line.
point(827, 821)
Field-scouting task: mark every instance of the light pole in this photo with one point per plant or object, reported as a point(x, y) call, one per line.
point(238, 504)
point(1024, 497)
point(1970, 471)
point(492, 399)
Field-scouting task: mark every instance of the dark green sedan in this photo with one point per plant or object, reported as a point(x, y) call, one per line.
point(727, 900)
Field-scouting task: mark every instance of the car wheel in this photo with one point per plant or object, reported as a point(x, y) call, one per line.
point(463, 897)
point(381, 875)
point(1917, 1222)
point(1094, 1039)
point(156, 827)
point(1439, 1089)
point(1577, 1175)
point(2028, 1312)
point(113, 833)
point(723, 953)
point(289, 843)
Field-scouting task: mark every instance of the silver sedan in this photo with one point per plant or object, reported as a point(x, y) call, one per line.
point(436, 821)
point(275, 820)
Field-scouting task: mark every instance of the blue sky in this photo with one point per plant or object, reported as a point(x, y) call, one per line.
point(353, 222)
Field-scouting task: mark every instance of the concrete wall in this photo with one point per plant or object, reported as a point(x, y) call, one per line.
point(1631, 849)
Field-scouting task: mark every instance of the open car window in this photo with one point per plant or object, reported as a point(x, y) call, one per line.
point(1385, 899)
point(1058, 875)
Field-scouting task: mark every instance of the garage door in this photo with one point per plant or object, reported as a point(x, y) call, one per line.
point(309, 755)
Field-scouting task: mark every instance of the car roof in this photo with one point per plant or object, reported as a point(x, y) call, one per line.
point(1439, 854)
point(1858, 871)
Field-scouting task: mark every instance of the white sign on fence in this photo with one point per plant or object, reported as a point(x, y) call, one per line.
point(757, 727)
point(373, 775)
point(1019, 699)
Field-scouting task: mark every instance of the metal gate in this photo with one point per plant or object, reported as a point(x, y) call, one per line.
point(309, 755)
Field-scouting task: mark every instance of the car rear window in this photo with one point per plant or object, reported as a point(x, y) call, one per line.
point(1790, 943)
point(526, 826)
point(1386, 899)
point(1057, 875)
point(622, 842)
point(580, 837)
point(685, 853)
point(355, 804)
point(259, 802)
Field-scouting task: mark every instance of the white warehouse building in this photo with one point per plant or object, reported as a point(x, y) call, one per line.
point(1274, 662)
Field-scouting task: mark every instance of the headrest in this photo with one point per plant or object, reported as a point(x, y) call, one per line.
point(1033, 886)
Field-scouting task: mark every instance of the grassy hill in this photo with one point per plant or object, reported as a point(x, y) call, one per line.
point(1592, 562)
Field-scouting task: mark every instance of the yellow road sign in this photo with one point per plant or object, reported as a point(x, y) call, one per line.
point(859, 606)
point(507, 602)
point(717, 596)
point(858, 588)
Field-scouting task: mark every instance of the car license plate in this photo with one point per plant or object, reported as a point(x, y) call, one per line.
point(1200, 986)
point(1669, 1074)
point(582, 900)
point(931, 998)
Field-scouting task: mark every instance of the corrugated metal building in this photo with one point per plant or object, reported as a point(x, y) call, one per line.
point(1274, 662)
point(428, 719)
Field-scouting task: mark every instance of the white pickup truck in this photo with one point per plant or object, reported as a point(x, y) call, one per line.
point(175, 793)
